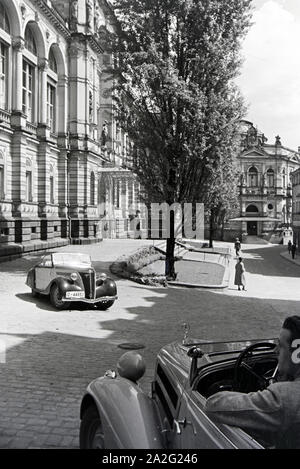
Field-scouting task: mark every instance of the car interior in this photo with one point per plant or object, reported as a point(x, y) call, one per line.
point(222, 376)
point(252, 370)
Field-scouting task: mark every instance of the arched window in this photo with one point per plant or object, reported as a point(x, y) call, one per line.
point(4, 25)
point(92, 188)
point(252, 209)
point(30, 43)
point(29, 85)
point(270, 178)
point(3, 75)
point(52, 91)
point(28, 180)
point(253, 177)
point(52, 61)
point(4, 22)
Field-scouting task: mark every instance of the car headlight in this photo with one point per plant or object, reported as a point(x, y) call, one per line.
point(74, 276)
point(103, 277)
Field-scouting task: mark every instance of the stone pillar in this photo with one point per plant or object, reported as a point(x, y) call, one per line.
point(43, 67)
point(115, 192)
point(62, 104)
point(62, 185)
point(18, 46)
point(120, 181)
point(133, 195)
point(126, 196)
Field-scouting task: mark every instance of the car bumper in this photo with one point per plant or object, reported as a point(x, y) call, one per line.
point(102, 299)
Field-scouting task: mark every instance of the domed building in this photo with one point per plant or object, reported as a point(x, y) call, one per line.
point(265, 189)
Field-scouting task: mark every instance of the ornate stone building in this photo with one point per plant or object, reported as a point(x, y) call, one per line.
point(296, 207)
point(62, 153)
point(265, 185)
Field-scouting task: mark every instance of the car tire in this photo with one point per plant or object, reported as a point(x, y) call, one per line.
point(56, 298)
point(91, 435)
point(105, 306)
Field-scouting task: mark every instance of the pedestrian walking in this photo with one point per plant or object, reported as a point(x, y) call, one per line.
point(290, 246)
point(240, 279)
point(237, 247)
point(293, 249)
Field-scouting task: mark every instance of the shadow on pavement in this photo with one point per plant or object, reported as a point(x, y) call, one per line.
point(45, 375)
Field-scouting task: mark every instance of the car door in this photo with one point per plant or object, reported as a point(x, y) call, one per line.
point(194, 429)
point(44, 273)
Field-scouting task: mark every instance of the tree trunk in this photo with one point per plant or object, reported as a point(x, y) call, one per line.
point(170, 261)
point(211, 229)
point(223, 225)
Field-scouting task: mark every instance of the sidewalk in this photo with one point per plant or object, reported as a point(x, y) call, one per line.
point(288, 257)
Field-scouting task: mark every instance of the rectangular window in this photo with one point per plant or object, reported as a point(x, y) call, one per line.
point(51, 107)
point(3, 75)
point(28, 90)
point(51, 190)
point(1, 182)
point(28, 186)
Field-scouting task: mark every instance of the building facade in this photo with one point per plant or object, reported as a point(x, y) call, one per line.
point(63, 155)
point(265, 190)
point(296, 207)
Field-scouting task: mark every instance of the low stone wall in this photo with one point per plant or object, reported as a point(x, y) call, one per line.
point(13, 251)
point(130, 267)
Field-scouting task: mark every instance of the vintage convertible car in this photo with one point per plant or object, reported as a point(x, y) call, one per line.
point(69, 277)
point(116, 413)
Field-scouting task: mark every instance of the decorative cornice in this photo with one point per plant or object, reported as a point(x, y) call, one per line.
point(55, 17)
point(90, 39)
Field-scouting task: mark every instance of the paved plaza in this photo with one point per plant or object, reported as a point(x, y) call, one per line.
point(52, 355)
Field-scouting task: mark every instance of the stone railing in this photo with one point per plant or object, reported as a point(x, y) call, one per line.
point(31, 127)
point(4, 116)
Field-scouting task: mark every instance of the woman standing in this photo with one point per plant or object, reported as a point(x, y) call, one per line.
point(240, 279)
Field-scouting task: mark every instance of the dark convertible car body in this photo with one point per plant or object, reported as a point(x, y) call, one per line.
point(116, 413)
point(70, 277)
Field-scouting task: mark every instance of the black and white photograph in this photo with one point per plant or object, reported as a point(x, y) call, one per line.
point(149, 228)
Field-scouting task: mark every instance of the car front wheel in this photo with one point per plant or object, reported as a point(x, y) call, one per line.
point(91, 430)
point(56, 298)
point(105, 306)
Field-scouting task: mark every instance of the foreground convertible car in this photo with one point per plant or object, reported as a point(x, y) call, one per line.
point(69, 277)
point(116, 413)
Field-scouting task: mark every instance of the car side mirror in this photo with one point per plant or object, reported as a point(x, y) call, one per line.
point(131, 365)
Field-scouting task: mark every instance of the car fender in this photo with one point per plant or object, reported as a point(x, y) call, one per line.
point(129, 417)
point(107, 287)
point(30, 280)
point(65, 284)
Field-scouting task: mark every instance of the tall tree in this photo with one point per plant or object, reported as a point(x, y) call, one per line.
point(177, 60)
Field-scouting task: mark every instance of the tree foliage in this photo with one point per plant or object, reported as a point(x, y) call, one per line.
point(176, 98)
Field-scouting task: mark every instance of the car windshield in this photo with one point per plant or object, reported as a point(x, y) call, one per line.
point(63, 258)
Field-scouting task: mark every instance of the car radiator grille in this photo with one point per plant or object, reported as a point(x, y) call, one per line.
point(88, 280)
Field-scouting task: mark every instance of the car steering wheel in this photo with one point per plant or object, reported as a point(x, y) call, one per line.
point(241, 363)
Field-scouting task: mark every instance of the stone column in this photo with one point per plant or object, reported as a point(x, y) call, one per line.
point(62, 104)
point(126, 196)
point(43, 67)
point(18, 119)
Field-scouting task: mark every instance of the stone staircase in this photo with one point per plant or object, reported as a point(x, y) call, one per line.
point(254, 240)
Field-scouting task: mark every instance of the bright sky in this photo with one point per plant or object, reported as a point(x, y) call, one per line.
point(270, 79)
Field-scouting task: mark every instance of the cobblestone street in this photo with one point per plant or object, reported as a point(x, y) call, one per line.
point(52, 355)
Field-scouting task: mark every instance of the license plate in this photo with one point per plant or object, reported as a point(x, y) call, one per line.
point(75, 294)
